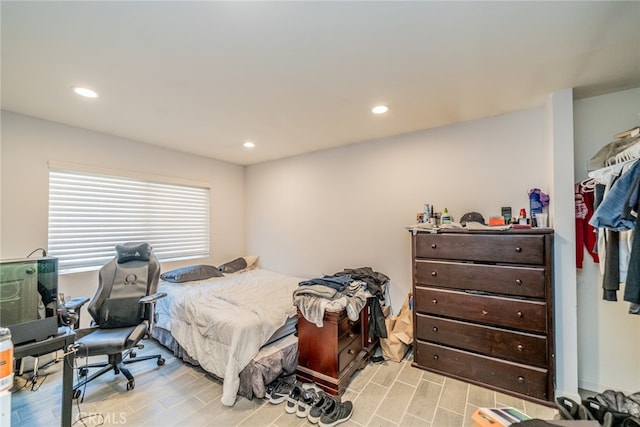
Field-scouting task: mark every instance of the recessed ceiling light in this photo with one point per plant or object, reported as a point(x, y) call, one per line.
point(83, 91)
point(249, 144)
point(379, 109)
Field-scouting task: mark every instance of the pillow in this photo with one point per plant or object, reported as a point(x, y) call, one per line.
point(133, 252)
point(238, 264)
point(191, 273)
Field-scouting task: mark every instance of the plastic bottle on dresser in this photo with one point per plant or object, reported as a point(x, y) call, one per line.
point(523, 217)
point(446, 218)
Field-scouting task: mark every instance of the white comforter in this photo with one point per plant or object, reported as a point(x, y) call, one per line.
point(222, 322)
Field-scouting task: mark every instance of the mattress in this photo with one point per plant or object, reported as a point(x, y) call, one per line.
point(279, 357)
point(223, 322)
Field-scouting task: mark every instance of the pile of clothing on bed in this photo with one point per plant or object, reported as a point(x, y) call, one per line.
point(350, 289)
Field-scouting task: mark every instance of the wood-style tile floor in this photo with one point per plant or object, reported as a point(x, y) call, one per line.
point(178, 394)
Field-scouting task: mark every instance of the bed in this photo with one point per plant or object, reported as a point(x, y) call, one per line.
point(235, 327)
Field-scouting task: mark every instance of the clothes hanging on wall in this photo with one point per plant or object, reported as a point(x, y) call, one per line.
point(615, 218)
point(614, 249)
point(632, 289)
point(612, 212)
point(586, 237)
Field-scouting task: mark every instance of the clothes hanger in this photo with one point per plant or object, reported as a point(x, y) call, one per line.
point(630, 153)
point(602, 175)
point(588, 185)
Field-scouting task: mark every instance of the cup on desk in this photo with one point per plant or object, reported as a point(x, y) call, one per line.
point(541, 220)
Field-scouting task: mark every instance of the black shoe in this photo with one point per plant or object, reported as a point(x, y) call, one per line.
point(320, 407)
point(606, 416)
point(308, 397)
point(271, 387)
point(595, 410)
point(339, 412)
point(292, 399)
point(568, 408)
point(280, 392)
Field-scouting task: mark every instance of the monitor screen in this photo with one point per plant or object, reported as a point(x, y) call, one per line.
point(28, 297)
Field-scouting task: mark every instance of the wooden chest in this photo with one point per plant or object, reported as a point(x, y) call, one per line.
point(331, 354)
point(483, 308)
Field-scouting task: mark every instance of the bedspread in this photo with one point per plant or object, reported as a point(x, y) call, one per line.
point(222, 322)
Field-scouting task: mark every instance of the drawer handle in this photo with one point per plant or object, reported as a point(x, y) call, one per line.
point(518, 249)
point(520, 314)
point(434, 274)
point(518, 282)
point(520, 347)
point(433, 246)
point(350, 351)
point(435, 357)
point(435, 329)
point(485, 312)
point(521, 379)
point(351, 335)
point(435, 301)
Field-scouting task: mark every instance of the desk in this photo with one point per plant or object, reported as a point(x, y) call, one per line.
point(62, 341)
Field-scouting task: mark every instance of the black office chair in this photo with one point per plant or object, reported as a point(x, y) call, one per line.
point(123, 313)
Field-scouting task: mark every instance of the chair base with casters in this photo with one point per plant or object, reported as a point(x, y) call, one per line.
point(118, 343)
point(115, 362)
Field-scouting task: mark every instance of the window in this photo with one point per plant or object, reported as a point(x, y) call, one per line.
point(90, 213)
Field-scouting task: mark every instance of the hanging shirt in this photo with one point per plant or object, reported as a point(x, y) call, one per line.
point(609, 213)
point(586, 236)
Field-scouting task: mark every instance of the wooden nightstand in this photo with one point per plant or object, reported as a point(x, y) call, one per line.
point(330, 355)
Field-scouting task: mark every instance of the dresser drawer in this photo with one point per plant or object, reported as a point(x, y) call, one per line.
point(523, 379)
point(515, 346)
point(508, 280)
point(494, 310)
point(346, 340)
point(349, 353)
point(347, 330)
point(517, 249)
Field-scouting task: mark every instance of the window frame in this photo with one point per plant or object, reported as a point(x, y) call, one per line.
point(91, 210)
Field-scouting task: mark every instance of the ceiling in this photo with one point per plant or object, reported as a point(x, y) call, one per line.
point(295, 77)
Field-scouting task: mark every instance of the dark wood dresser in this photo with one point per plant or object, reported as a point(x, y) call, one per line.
point(484, 308)
point(330, 355)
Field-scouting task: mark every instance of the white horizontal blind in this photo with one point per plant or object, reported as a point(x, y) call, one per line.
point(91, 213)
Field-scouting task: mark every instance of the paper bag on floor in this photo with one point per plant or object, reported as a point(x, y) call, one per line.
point(399, 333)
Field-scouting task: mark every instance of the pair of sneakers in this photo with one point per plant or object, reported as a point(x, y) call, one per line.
point(278, 391)
point(572, 410)
point(334, 412)
point(317, 406)
point(300, 400)
point(591, 409)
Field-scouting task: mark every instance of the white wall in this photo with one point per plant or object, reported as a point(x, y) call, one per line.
point(608, 337)
point(348, 207)
point(28, 144)
point(560, 129)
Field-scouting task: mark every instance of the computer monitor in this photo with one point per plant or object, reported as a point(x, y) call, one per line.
point(29, 298)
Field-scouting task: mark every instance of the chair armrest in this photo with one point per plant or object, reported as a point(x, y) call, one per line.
point(149, 299)
point(76, 303)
